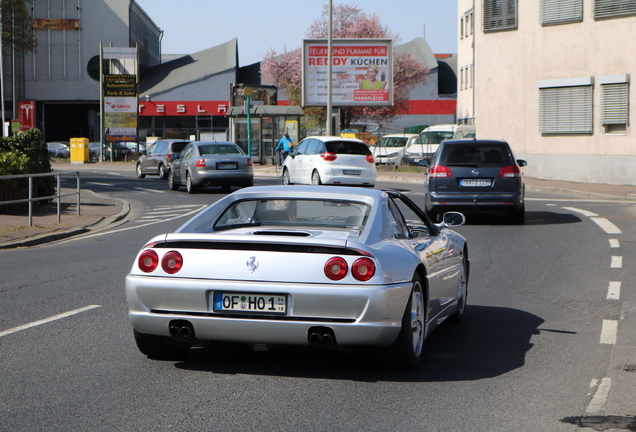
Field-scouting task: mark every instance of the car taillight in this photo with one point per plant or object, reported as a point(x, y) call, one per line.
point(172, 262)
point(200, 163)
point(510, 171)
point(148, 261)
point(250, 162)
point(370, 159)
point(329, 157)
point(336, 268)
point(363, 269)
point(439, 171)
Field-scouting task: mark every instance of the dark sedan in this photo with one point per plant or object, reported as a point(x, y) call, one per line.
point(211, 163)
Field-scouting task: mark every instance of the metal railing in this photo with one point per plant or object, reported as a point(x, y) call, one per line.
point(58, 196)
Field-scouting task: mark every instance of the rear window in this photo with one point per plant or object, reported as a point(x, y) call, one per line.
point(345, 147)
point(219, 149)
point(479, 155)
point(178, 146)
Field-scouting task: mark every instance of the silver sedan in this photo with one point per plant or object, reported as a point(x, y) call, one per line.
point(211, 163)
point(317, 266)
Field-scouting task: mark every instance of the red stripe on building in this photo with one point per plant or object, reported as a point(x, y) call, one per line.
point(432, 107)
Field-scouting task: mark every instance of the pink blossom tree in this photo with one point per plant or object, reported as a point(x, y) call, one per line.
point(348, 22)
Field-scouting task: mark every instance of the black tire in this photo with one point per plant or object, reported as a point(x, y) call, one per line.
point(160, 347)
point(162, 172)
point(315, 178)
point(171, 183)
point(286, 179)
point(407, 350)
point(462, 291)
point(518, 216)
point(139, 171)
point(189, 186)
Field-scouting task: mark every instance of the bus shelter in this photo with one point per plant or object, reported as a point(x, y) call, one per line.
point(268, 123)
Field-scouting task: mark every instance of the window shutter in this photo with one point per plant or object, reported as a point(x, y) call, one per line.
point(614, 8)
point(614, 103)
point(561, 11)
point(500, 15)
point(565, 110)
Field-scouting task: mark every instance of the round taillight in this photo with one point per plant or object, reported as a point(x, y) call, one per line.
point(363, 269)
point(336, 268)
point(172, 262)
point(148, 261)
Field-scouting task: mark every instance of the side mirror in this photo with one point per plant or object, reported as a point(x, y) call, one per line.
point(453, 219)
point(521, 162)
point(423, 162)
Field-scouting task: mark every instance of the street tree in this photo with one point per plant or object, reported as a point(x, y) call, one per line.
point(17, 25)
point(348, 22)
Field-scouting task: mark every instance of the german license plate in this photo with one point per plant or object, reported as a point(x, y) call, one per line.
point(250, 303)
point(351, 172)
point(475, 182)
point(226, 165)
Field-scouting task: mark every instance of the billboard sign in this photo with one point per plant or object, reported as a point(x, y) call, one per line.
point(362, 72)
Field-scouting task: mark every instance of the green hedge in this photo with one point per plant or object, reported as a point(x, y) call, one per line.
point(26, 153)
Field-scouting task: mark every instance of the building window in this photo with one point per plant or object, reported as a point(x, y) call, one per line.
point(565, 106)
point(614, 8)
point(461, 28)
point(461, 78)
point(500, 15)
point(614, 103)
point(561, 11)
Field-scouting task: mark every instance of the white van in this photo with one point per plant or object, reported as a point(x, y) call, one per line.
point(390, 149)
point(465, 132)
point(428, 142)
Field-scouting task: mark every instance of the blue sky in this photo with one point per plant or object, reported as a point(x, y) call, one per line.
point(194, 25)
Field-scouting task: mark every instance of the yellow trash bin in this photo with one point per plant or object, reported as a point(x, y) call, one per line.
point(80, 152)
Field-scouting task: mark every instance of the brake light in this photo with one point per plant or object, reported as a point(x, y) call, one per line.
point(510, 171)
point(250, 162)
point(172, 262)
point(329, 157)
point(440, 171)
point(148, 261)
point(200, 163)
point(370, 159)
point(336, 268)
point(363, 269)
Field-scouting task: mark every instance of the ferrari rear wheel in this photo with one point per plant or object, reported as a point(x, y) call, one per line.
point(315, 178)
point(160, 347)
point(406, 351)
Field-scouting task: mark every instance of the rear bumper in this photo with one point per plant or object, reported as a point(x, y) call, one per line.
point(221, 178)
point(474, 202)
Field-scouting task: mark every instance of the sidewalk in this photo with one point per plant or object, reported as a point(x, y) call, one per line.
point(98, 212)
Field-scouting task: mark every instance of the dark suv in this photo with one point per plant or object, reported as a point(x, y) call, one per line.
point(474, 175)
point(159, 157)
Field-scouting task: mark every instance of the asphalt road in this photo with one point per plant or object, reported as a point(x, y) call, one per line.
point(536, 352)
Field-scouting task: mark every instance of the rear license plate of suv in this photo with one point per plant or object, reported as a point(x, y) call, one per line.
point(475, 182)
point(351, 172)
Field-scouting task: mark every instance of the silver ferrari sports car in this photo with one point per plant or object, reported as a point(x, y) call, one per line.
point(323, 266)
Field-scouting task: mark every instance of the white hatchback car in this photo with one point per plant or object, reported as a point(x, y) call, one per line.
point(330, 160)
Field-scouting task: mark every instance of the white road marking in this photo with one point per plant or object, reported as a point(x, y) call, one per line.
point(614, 243)
point(47, 320)
point(149, 190)
point(617, 262)
point(609, 332)
point(581, 211)
point(102, 184)
point(614, 291)
point(606, 225)
point(597, 404)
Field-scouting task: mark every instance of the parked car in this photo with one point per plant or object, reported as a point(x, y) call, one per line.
point(59, 150)
point(465, 132)
point(318, 266)
point(330, 160)
point(120, 151)
point(472, 176)
point(93, 148)
point(159, 157)
point(428, 142)
point(211, 163)
point(390, 149)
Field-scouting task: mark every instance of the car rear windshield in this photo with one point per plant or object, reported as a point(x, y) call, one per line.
point(431, 137)
point(219, 149)
point(290, 213)
point(178, 146)
point(346, 147)
point(478, 155)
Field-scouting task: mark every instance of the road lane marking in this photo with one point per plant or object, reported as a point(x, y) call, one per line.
point(606, 225)
point(48, 320)
point(149, 190)
point(598, 402)
point(101, 184)
point(609, 332)
point(614, 243)
point(617, 262)
point(614, 291)
point(581, 211)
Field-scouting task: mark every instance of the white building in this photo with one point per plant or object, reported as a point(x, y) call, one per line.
point(552, 77)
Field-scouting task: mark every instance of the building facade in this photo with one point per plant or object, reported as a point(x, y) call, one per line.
point(552, 77)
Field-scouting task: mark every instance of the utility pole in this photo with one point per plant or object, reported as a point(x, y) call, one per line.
point(329, 68)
